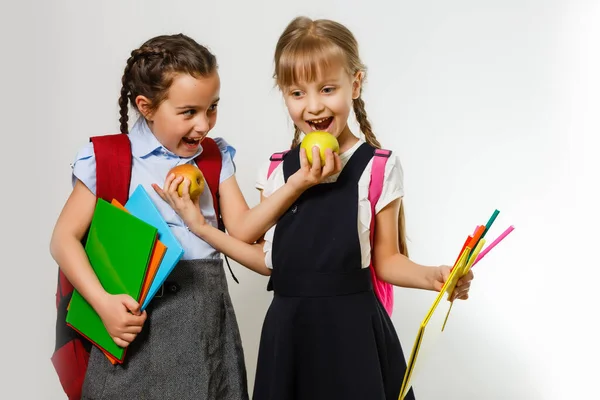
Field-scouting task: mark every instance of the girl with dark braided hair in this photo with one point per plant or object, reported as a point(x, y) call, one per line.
point(186, 344)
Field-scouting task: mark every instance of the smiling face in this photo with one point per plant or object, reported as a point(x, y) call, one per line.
point(324, 102)
point(189, 111)
point(320, 75)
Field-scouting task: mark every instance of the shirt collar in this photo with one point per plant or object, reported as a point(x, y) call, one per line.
point(144, 143)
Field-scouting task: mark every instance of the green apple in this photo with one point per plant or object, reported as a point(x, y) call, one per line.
point(323, 140)
point(194, 175)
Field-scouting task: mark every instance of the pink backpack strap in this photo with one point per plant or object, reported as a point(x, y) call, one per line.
point(276, 159)
point(383, 290)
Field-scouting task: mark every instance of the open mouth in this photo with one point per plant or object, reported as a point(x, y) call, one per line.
point(322, 124)
point(191, 142)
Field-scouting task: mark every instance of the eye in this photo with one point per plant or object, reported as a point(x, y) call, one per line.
point(296, 93)
point(328, 89)
point(189, 113)
point(213, 107)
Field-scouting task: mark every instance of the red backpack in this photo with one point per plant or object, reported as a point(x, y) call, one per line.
point(113, 175)
point(383, 290)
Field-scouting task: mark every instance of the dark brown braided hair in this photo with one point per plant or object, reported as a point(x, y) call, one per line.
point(151, 68)
point(304, 48)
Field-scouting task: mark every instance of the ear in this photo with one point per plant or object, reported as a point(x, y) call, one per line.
point(357, 84)
point(144, 105)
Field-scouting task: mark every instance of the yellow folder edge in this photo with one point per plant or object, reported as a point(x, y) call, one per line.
point(461, 268)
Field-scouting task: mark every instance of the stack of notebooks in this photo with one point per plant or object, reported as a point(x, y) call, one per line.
point(132, 251)
point(435, 319)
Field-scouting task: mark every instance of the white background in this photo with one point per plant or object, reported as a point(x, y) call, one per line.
point(490, 104)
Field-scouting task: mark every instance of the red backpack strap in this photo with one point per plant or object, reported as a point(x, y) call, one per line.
point(113, 174)
point(276, 159)
point(383, 290)
point(210, 163)
point(113, 167)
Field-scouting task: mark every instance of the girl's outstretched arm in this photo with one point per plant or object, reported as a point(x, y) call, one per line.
point(68, 252)
point(249, 224)
point(393, 267)
point(248, 255)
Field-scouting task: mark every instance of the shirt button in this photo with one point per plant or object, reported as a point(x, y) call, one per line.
point(295, 208)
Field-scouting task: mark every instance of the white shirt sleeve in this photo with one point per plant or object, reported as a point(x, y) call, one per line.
point(393, 183)
point(261, 178)
point(393, 188)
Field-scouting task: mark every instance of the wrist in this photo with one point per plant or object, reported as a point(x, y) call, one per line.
point(432, 274)
point(296, 188)
point(97, 299)
point(199, 228)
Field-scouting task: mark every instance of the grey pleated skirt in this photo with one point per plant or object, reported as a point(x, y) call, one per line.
point(189, 347)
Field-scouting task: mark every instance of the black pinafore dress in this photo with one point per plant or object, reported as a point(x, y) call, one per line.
point(326, 336)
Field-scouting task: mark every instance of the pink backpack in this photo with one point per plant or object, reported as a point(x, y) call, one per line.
point(383, 290)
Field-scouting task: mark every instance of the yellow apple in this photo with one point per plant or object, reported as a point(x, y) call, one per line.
point(323, 140)
point(194, 175)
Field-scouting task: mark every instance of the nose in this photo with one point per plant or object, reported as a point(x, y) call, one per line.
point(315, 105)
point(202, 124)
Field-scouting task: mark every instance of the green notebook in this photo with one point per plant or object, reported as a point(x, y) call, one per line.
point(119, 247)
